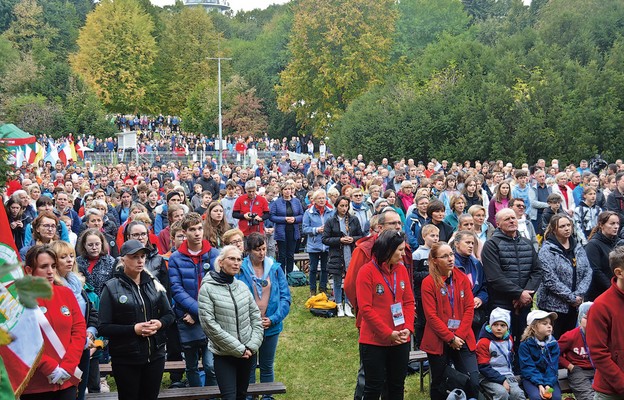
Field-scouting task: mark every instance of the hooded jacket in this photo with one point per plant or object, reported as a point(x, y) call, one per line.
point(186, 272)
point(474, 271)
point(562, 281)
point(539, 361)
point(495, 356)
point(598, 249)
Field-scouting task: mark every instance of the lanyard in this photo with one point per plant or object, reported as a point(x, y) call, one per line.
point(587, 349)
point(503, 353)
point(451, 295)
point(392, 289)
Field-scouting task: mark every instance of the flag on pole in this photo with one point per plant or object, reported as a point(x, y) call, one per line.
point(39, 151)
point(30, 154)
point(81, 148)
point(22, 355)
point(51, 152)
point(72, 148)
point(64, 153)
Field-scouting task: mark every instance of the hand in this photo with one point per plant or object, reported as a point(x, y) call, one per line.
point(506, 386)
point(247, 354)
point(248, 216)
point(477, 302)
point(266, 322)
point(156, 324)
point(290, 220)
point(526, 298)
point(320, 229)
point(395, 337)
point(578, 301)
point(188, 319)
point(570, 367)
point(269, 231)
point(405, 335)
point(346, 240)
point(259, 218)
point(542, 391)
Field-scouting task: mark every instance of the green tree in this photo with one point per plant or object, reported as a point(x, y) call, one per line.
point(339, 50)
point(245, 116)
point(28, 31)
point(116, 54)
point(84, 112)
point(35, 114)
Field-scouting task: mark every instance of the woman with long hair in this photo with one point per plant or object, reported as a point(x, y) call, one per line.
point(450, 190)
point(44, 231)
point(602, 240)
point(472, 192)
point(391, 196)
point(155, 264)
point(57, 375)
point(448, 304)
point(93, 259)
point(500, 200)
point(15, 213)
point(215, 224)
point(387, 311)
point(286, 212)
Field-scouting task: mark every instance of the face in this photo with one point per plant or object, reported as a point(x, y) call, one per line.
point(445, 260)
point(45, 267)
point(543, 328)
point(251, 192)
point(471, 187)
point(287, 192)
point(357, 197)
point(231, 262)
point(460, 205)
point(576, 178)
point(504, 189)
point(95, 221)
point(391, 198)
point(540, 177)
point(15, 209)
point(138, 232)
point(216, 214)
point(126, 198)
point(611, 227)
point(590, 197)
point(467, 224)
point(93, 245)
point(499, 329)
point(342, 207)
point(508, 223)
point(432, 238)
point(519, 208)
point(35, 194)
point(392, 221)
point(562, 180)
point(65, 263)
point(47, 229)
point(320, 200)
point(437, 216)
point(61, 201)
point(259, 253)
point(195, 234)
point(555, 206)
point(398, 254)
point(133, 264)
point(238, 241)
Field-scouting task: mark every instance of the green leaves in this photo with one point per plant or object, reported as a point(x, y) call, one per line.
point(30, 288)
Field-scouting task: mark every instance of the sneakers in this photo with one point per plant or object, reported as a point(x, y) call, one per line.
point(341, 312)
point(177, 385)
point(347, 310)
point(104, 388)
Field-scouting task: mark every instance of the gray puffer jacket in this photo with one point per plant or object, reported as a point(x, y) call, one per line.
point(229, 316)
point(560, 287)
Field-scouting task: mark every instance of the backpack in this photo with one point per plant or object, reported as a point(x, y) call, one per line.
point(322, 312)
point(297, 278)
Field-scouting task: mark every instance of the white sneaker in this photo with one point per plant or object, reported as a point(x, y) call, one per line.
point(340, 311)
point(104, 388)
point(347, 310)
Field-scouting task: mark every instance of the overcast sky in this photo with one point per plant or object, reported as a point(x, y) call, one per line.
point(235, 4)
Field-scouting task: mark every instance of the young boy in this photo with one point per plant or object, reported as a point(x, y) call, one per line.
point(575, 357)
point(420, 257)
point(521, 190)
point(604, 334)
point(206, 199)
point(495, 358)
point(554, 207)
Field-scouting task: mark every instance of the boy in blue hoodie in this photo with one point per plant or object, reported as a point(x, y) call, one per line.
point(495, 358)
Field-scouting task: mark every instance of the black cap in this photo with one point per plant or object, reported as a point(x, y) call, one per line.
point(132, 247)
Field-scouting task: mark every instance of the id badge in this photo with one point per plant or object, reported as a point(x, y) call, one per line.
point(453, 324)
point(397, 314)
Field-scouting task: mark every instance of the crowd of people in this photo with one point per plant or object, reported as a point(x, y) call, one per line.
point(490, 269)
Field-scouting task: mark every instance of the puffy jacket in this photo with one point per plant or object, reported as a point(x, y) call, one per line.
point(331, 238)
point(230, 317)
point(123, 304)
point(556, 292)
point(511, 266)
point(312, 220)
point(278, 217)
point(279, 300)
point(185, 275)
point(102, 271)
point(539, 361)
point(598, 249)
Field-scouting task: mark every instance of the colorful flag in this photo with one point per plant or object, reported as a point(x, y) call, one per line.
point(22, 355)
point(30, 155)
point(64, 153)
point(40, 152)
point(52, 154)
point(72, 148)
point(81, 148)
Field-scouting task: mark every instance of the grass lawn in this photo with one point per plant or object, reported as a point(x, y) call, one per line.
point(317, 358)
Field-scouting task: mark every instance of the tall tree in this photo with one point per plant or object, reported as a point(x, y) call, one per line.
point(340, 48)
point(28, 31)
point(116, 54)
point(245, 117)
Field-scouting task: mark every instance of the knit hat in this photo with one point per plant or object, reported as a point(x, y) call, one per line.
point(540, 314)
point(583, 310)
point(500, 315)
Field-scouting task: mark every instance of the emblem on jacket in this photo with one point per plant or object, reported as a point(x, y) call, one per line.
point(123, 299)
point(379, 289)
point(65, 311)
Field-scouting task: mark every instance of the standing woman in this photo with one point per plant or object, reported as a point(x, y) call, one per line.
point(391, 196)
point(15, 213)
point(602, 241)
point(286, 213)
point(458, 207)
point(231, 319)
point(44, 231)
point(134, 314)
point(215, 225)
point(567, 274)
point(449, 309)
point(93, 259)
point(387, 311)
point(471, 192)
point(450, 190)
point(340, 233)
point(500, 200)
point(267, 282)
point(57, 375)
point(67, 275)
point(155, 264)
point(313, 225)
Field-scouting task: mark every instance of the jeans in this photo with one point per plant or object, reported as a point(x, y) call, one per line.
point(464, 360)
point(286, 252)
point(337, 278)
point(136, 381)
point(384, 365)
point(265, 359)
point(314, 262)
point(233, 376)
point(84, 367)
point(192, 352)
point(532, 391)
point(497, 391)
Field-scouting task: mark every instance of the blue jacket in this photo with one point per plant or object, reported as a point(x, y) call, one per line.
point(160, 219)
point(278, 215)
point(473, 267)
point(539, 362)
point(279, 300)
point(61, 229)
point(185, 276)
point(412, 227)
point(312, 220)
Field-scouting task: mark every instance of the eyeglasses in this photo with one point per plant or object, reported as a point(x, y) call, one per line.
point(49, 227)
point(357, 195)
point(237, 241)
point(237, 259)
point(450, 255)
point(138, 235)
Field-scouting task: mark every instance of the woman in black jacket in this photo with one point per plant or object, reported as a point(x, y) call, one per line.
point(602, 240)
point(134, 314)
point(340, 233)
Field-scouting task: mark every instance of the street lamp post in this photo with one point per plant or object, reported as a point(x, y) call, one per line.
point(220, 116)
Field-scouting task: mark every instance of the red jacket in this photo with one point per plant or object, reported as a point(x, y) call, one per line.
point(375, 298)
point(63, 313)
point(259, 206)
point(437, 308)
point(573, 350)
point(605, 339)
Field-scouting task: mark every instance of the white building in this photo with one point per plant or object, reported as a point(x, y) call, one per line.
point(210, 5)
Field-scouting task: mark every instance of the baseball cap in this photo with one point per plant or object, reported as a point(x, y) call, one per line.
point(132, 247)
point(540, 314)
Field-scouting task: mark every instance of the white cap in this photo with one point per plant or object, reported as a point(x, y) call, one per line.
point(539, 314)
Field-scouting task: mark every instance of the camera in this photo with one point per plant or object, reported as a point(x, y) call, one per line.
point(253, 221)
point(597, 164)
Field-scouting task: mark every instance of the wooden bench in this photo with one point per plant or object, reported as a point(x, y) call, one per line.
point(302, 260)
point(197, 393)
point(420, 357)
point(170, 366)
